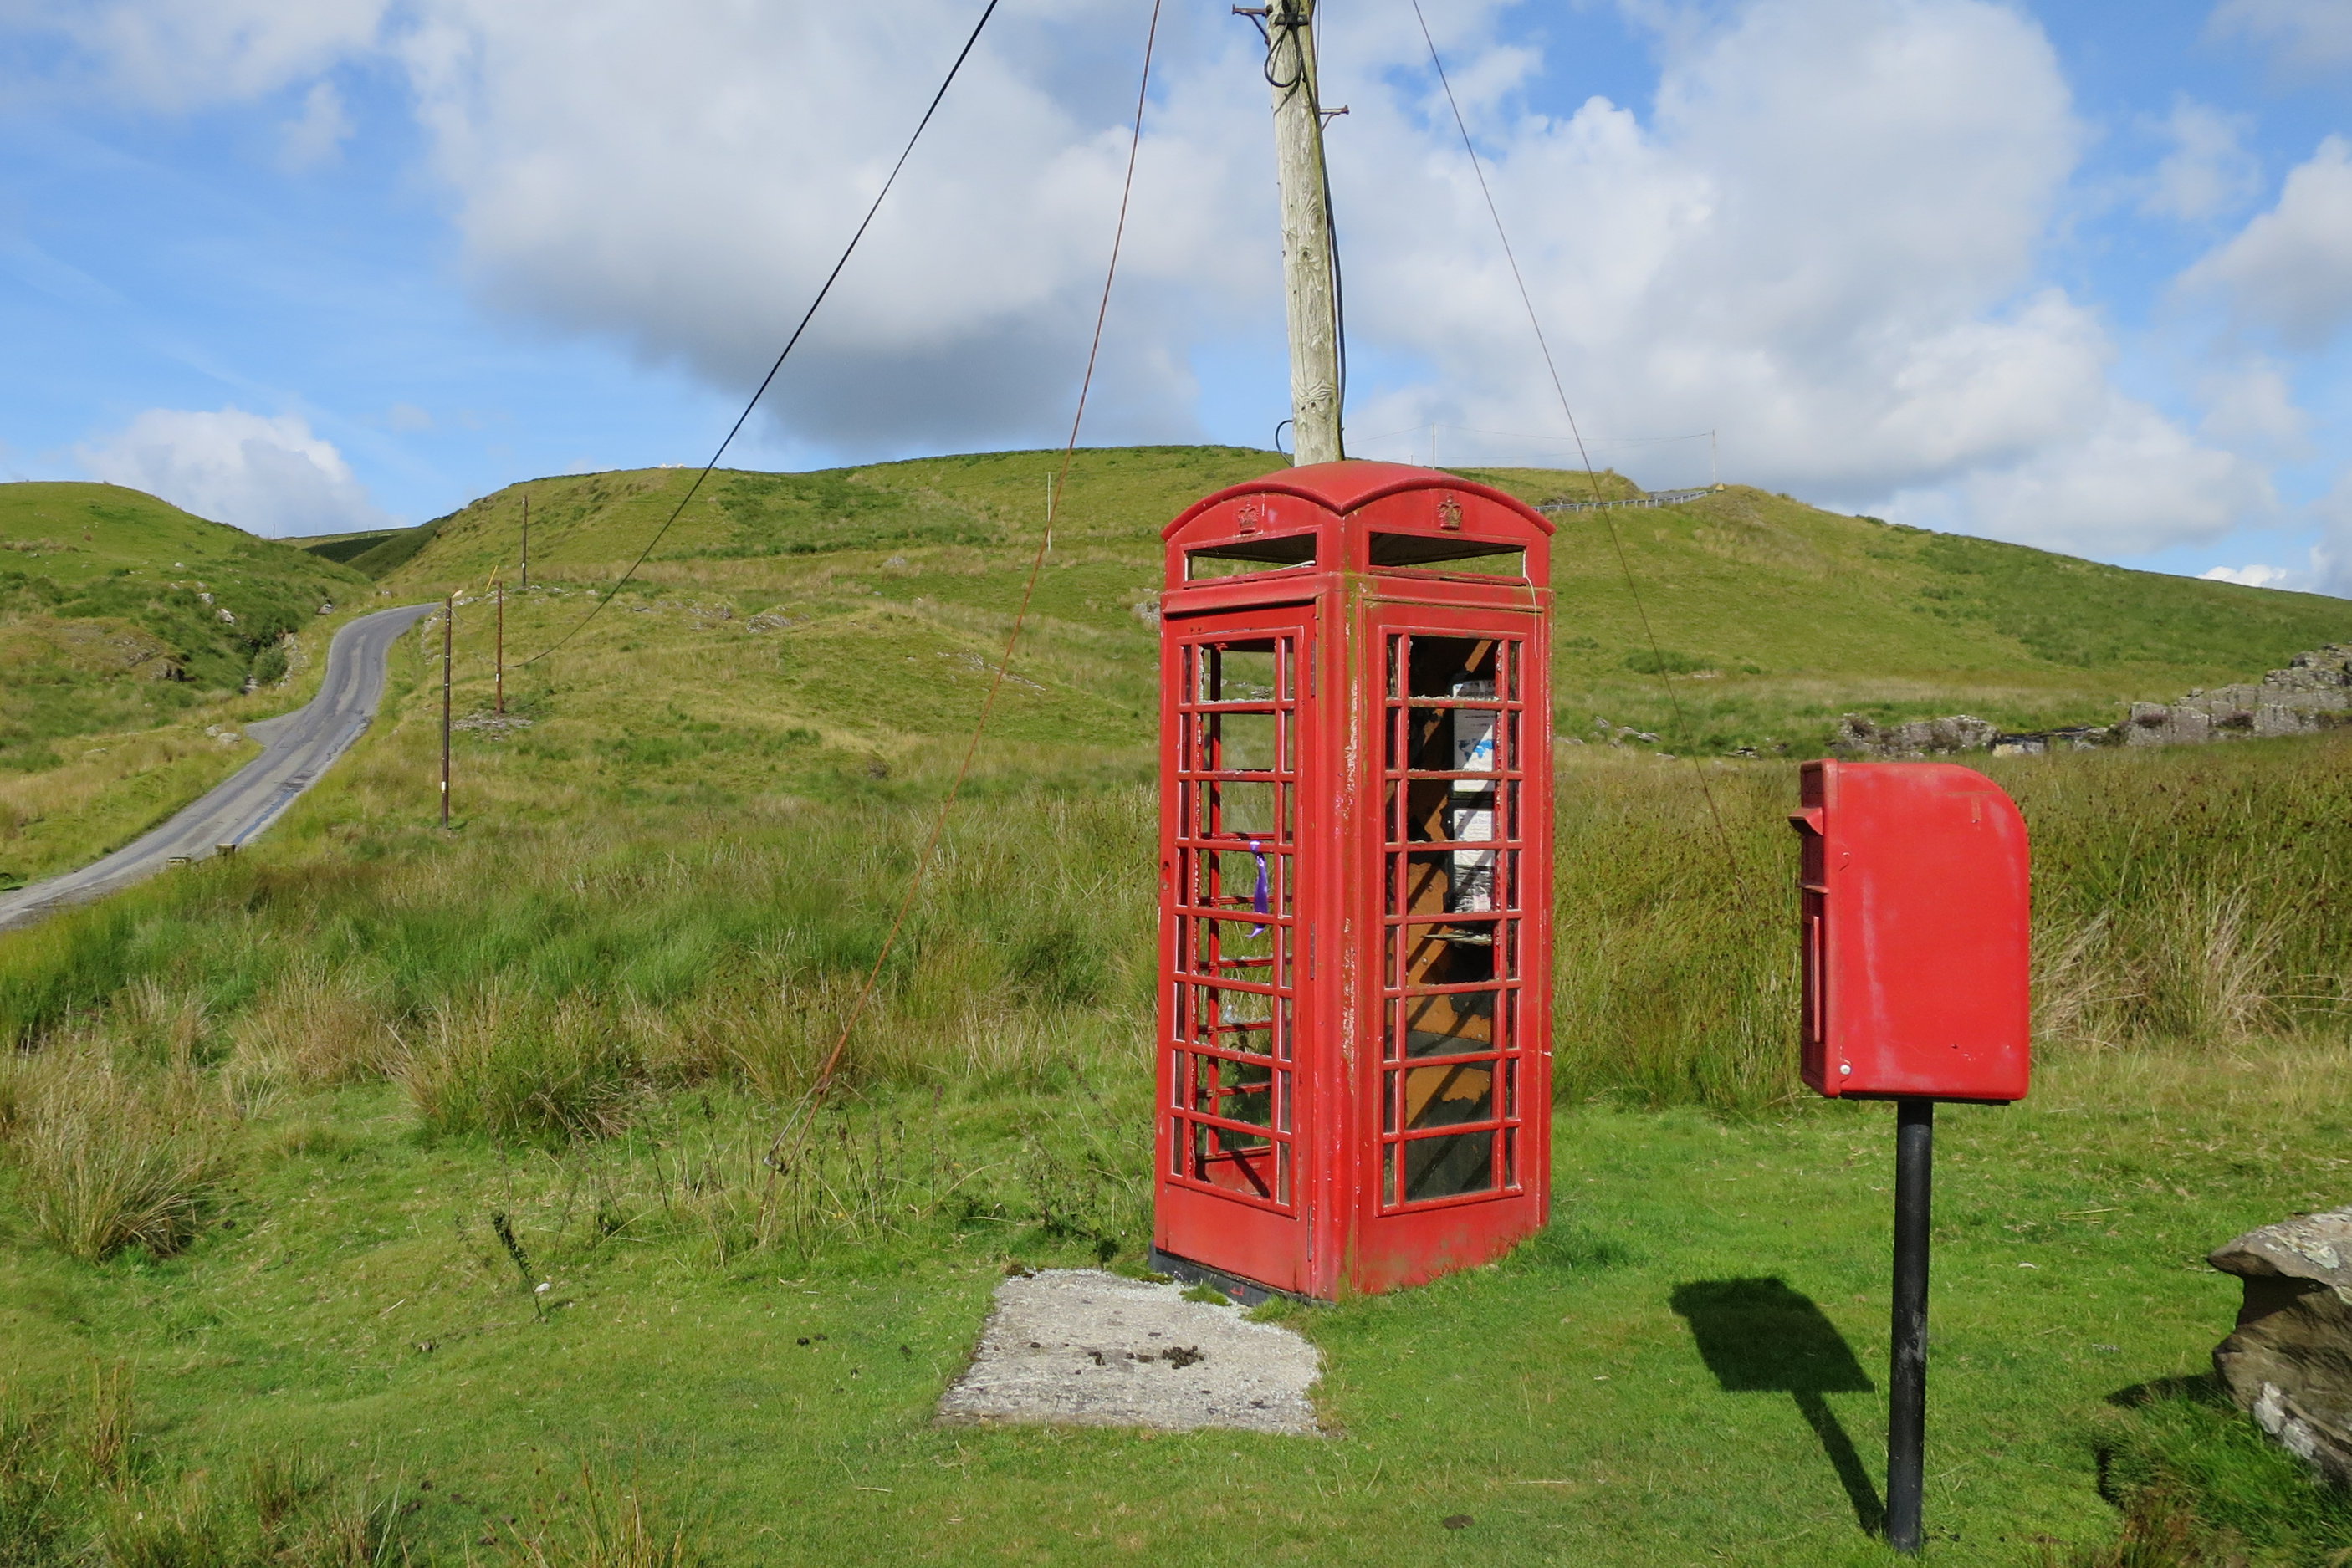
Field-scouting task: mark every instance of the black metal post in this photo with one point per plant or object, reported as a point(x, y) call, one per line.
point(1906, 1398)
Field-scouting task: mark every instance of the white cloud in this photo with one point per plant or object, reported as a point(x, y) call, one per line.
point(2135, 483)
point(2290, 270)
point(2251, 407)
point(317, 135)
point(407, 416)
point(2331, 559)
point(684, 188)
point(2250, 576)
point(2208, 171)
point(2303, 35)
point(180, 54)
point(269, 476)
point(1826, 243)
point(1825, 237)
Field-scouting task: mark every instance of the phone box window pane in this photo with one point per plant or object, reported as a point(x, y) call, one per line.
point(1474, 743)
point(1237, 810)
point(1452, 666)
point(1238, 742)
point(1449, 1166)
point(1449, 1095)
point(1237, 672)
point(1455, 1023)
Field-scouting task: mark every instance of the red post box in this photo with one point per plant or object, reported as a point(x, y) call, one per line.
point(1917, 957)
point(1915, 932)
point(1354, 1038)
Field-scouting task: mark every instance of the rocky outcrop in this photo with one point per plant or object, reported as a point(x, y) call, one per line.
point(2312, 693)
point(1918, 739)
point(2289, 1362)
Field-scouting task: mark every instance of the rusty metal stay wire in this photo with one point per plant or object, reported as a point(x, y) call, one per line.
point(777, 1155)
point(1625, 564)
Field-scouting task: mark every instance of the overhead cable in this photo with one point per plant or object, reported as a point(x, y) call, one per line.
point(1535, 321)
point(806, 317)
point(777, 1153)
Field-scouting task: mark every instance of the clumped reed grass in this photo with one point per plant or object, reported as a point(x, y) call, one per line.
point(105, 1162)
point(1674, 973)
point(792, 1188)
point(314, 1027)
point(77, 1489)
point(543, 982)
point(601, 1522)
point(522, 1071)
point(2184, 900)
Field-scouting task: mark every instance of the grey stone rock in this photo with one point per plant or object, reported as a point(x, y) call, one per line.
point(2312, 693)
point(1916, 741)
point(2288, 1363)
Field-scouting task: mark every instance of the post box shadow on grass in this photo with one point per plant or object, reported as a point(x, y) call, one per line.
point(1759, 1336)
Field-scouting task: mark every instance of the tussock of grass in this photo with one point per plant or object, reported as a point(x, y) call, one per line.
point(601, 1522)
point(105, 1163)
point(312, 1029)
point(533, 1072)
point(78, 1487)
point(535, 986)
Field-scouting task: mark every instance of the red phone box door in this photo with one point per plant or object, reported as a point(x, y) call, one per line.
point(1918, 947)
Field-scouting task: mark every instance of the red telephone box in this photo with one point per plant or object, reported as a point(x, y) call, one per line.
point(1354, 1014)
point(1916, 932)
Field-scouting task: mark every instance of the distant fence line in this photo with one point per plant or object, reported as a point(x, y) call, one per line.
point(1649, 498)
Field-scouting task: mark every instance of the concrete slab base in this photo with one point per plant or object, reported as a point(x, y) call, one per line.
point(1079, 1347)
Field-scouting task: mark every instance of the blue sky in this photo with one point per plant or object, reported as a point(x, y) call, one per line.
point(2076, 275)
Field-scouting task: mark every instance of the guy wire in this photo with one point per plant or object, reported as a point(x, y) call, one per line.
point(1625, 564)
point(806, 317)
point(776, 1157)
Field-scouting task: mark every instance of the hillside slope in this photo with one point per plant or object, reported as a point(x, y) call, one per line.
point(1772, 617)
point(120, 611)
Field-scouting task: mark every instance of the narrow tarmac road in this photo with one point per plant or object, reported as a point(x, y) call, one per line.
point(296, 747)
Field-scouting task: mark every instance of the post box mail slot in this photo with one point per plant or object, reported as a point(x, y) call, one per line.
point(1915, 928)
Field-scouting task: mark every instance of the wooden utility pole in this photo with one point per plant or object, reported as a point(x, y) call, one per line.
point(503, 650)
point(1309, 259)
point(448, 656)
point(526, 539)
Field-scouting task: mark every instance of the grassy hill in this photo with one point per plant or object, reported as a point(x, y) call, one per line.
point(343, 549)
point(1773, 617)
point(117, 610)
point(127, 628)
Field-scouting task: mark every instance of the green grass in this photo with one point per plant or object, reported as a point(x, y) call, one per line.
point(111, 599)
point(1615, 1394)
point(1772, 617)
point(413, 1075)
point(592, 1009)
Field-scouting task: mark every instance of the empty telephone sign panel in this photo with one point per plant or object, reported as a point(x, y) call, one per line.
point(1915, 932)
